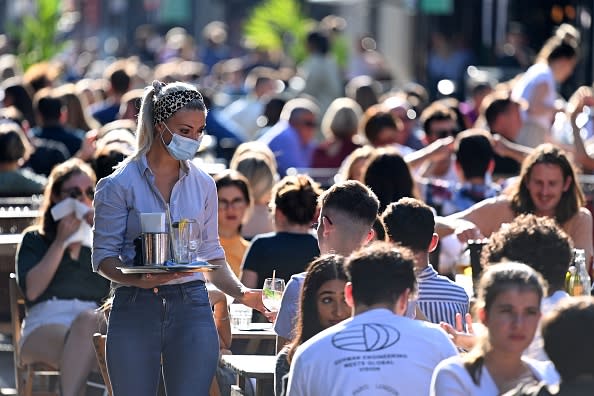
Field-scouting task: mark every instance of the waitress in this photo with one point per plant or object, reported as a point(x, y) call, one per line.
point(162, 321)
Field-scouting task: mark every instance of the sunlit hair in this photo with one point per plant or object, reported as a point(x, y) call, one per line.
point(410, 222)
point(341, 119)
point(296, 197)
point(320, 271)
point(380, 273)
point(76, 108)
point(58, 176)
point(145, 132)
point(259, 170)
point(571, 200)
point(14, 145)
point(533, 240)
point(346, 171)
point(233, 178)
point(495, 280)
point(354, 200)
point(388, 175)
point(557, 47)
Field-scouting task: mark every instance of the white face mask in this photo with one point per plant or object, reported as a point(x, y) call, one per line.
point(181, 147)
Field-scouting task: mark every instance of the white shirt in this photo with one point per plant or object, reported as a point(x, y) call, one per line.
point(451, 378)
point(524, 89)
point(374, 353)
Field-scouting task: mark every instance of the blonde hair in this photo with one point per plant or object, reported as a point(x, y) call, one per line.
point(341, 119)
point(145, 132)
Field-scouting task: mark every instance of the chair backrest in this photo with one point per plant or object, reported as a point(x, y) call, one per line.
point(17, 311)
point(15, 221)
point(23, 374)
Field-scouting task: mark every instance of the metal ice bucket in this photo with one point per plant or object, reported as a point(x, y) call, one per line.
point(155, 248)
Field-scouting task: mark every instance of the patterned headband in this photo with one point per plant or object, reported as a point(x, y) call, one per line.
point(167, 105)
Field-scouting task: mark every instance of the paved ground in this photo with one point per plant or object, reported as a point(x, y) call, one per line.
point(6, 366)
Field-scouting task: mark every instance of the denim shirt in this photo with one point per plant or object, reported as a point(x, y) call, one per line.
point(121, 197)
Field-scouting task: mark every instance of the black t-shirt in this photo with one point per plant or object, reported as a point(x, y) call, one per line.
point(506, 166)
point(73, 278)
point(287, 253)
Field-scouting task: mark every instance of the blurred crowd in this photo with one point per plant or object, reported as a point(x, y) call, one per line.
point(281, 136)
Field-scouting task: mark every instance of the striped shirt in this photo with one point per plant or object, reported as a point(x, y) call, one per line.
point(439, 298)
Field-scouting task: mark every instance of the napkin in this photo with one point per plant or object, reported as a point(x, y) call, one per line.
point(84, 234)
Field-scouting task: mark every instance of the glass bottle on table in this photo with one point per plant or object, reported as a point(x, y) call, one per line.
point(579, 283)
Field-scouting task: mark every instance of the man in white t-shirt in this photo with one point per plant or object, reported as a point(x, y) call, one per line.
point(378, 351)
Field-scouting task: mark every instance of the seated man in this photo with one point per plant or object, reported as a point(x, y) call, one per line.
point(474, 165)
point(292, 138)
point(347, 214)
point(502, 115)
point(410, 223)
point(548, 186)
point(379, 350)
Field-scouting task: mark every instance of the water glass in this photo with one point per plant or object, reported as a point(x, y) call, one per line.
point(241, 316)
point(185, 240)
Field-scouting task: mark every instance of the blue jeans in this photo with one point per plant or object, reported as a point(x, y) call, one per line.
point(171, 324)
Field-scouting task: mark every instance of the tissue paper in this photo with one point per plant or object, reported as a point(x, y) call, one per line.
point(84, 234)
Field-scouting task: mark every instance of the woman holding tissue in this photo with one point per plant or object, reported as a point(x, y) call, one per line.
point(54, 271)
point(163, 317)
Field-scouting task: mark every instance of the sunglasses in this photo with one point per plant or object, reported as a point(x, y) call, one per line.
point(77, 193)
point(316, 225)
point(237, 203)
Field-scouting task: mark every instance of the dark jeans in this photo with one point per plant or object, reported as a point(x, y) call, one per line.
point(170, 324)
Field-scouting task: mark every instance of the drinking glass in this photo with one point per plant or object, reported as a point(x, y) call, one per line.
point(272, 293)
point(185, 240)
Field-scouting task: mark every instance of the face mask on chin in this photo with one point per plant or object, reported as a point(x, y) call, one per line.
point(180, 147)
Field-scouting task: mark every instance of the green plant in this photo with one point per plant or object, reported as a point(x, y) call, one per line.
point(278, 25)
point(37, 35)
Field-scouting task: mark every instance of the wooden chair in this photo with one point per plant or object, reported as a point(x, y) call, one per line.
point(25, 373)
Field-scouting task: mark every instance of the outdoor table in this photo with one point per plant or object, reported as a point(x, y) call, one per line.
point(259, 367)
point(255, 335)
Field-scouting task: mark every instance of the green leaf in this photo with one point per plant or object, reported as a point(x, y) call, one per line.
point(37, 36)
point(272, 22)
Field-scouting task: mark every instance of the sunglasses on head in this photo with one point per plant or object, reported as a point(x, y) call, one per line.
point(77, 193)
